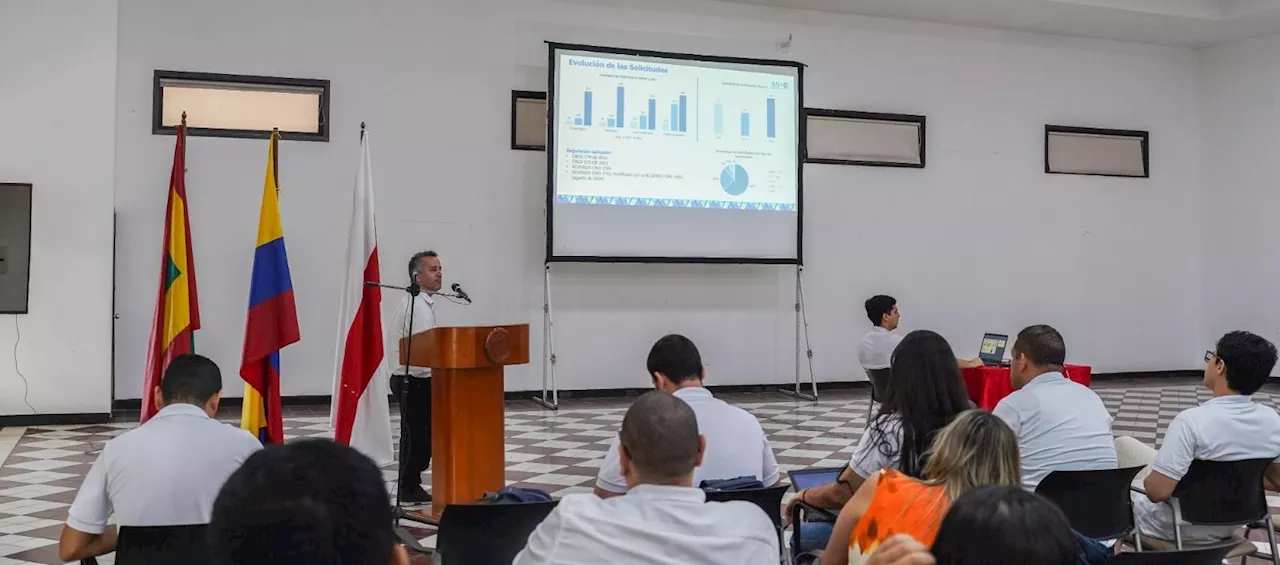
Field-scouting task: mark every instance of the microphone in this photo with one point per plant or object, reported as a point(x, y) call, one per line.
point(457, 289)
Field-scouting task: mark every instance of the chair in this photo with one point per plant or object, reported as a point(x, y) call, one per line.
point(160, 545)
point(768, 499)
point(1207, 555)
point(1223, 493)
point(487, 533)
point(1097, 503)
point(879, 378)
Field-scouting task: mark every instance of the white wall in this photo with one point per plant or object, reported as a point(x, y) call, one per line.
point(980, 240)
point(1241, 194)
point(57, 131)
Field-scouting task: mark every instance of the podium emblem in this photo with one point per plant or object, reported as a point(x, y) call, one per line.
point(497, 346)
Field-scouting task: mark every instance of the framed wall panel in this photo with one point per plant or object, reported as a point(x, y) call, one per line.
point(15, 247)
point(843, 137)
point(1098, 152)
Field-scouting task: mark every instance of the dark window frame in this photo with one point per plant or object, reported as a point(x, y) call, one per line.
point(1145, 136)
point(921, 121)
point(516, 97)
point(157, 104)
point(31, 228)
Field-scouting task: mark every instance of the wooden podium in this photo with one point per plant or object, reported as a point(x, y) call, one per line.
point(467, 455)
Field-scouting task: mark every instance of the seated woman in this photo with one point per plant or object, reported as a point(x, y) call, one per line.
point(975, 449)
point(923, 394)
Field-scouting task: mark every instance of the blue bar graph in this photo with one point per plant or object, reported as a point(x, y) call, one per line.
point(586, 107)
point(675, 117)
point(666, 126)
point(644, 121)
point(746, 124)
point(611, 123)
point(653, 111)
point(635, 123)
point(577, 121)
point(622, 117)
point(719, 121)
point(684, 113)
point(769, 119)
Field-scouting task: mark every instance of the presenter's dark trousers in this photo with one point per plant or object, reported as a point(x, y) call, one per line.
point(415, 433)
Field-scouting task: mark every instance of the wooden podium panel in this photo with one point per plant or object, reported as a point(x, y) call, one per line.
point(467, 411)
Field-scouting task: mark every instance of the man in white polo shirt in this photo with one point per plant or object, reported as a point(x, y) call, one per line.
point(663, 519)
point(1061, 425)
point(876, 350)
point(166, 472)
point(736, 444)
point(1228, 427)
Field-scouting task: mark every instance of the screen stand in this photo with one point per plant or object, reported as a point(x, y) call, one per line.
point(802, 324)
point(548, 347)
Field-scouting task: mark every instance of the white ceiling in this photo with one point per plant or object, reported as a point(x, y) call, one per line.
point(1195, 23)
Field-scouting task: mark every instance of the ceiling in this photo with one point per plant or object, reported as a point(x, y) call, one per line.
point(1193, 23)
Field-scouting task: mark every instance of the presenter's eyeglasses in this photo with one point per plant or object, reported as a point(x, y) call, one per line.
point(1210, 356)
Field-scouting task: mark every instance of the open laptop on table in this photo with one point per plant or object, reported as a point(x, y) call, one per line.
point(992, 351)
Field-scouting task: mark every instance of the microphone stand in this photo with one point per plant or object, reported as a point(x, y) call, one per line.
point(398, 513)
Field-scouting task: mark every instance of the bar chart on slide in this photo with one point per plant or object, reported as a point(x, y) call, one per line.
point(745, 120)
point(646, 119)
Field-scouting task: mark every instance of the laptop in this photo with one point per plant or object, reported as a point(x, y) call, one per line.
point(992, 351)
point(807, 478)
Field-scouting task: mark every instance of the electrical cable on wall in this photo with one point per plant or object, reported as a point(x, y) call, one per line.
point(26, 387)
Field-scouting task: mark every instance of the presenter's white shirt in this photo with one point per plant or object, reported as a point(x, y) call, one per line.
point(877, 348)
point(652, 525)
point(736, 445)
point(166, 472)
point(424, 318)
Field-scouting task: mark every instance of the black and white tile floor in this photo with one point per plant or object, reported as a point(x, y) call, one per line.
point(557, 451)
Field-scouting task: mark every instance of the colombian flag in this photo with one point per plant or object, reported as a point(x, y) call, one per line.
point(272, 322)
point(177, 311)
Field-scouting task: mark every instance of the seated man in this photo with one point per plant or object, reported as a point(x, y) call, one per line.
point(662, 519)
point(310, 501)
point(736, 444)
point(165, 472)
point(877, 346)
point(1228, 427)
point(1061, 425)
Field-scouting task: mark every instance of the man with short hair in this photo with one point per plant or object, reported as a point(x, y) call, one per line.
point(1061, 425)
point(876, 349)
point(736, 444)
point(411, 384)
point(663, 519)
point(1228, 427)
point(165, 472)
point(310, 501)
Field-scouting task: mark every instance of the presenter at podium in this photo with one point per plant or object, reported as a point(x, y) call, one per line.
point(415, 410)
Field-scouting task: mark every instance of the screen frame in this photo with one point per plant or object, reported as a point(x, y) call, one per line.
point(551, 257)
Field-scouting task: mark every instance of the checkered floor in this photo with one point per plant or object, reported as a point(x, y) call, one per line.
point(557, 451)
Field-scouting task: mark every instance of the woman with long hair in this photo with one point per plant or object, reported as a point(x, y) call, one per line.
point(923, 393)
point(975, 449)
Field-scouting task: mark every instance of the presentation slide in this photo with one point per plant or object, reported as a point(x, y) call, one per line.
point(670, 156)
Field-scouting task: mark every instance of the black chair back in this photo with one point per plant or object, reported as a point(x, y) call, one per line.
point(1204, 555)
point(1223, 493)
point(160, 545)
point(768, 499)
point(1097, 503)
point(879, 379)
point(488, 533)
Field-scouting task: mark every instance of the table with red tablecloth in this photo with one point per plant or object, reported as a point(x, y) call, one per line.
point(987, 385)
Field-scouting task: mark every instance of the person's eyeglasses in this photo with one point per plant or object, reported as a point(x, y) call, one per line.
point(1210, 356)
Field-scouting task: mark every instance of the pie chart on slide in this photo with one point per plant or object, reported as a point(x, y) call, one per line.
point(733, 179)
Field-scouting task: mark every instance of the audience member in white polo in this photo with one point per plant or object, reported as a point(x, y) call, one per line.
point(736, 444)
point(1061, 425)
point(663, 519)
point(876, 350)
point(1228, 427)
point(166, 472)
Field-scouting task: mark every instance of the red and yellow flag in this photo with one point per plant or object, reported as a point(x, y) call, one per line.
point(177, 309)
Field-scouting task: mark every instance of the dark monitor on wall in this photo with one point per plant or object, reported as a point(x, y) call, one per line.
point(15, 247)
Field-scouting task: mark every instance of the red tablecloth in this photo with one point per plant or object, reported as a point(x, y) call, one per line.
point(987, 385)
